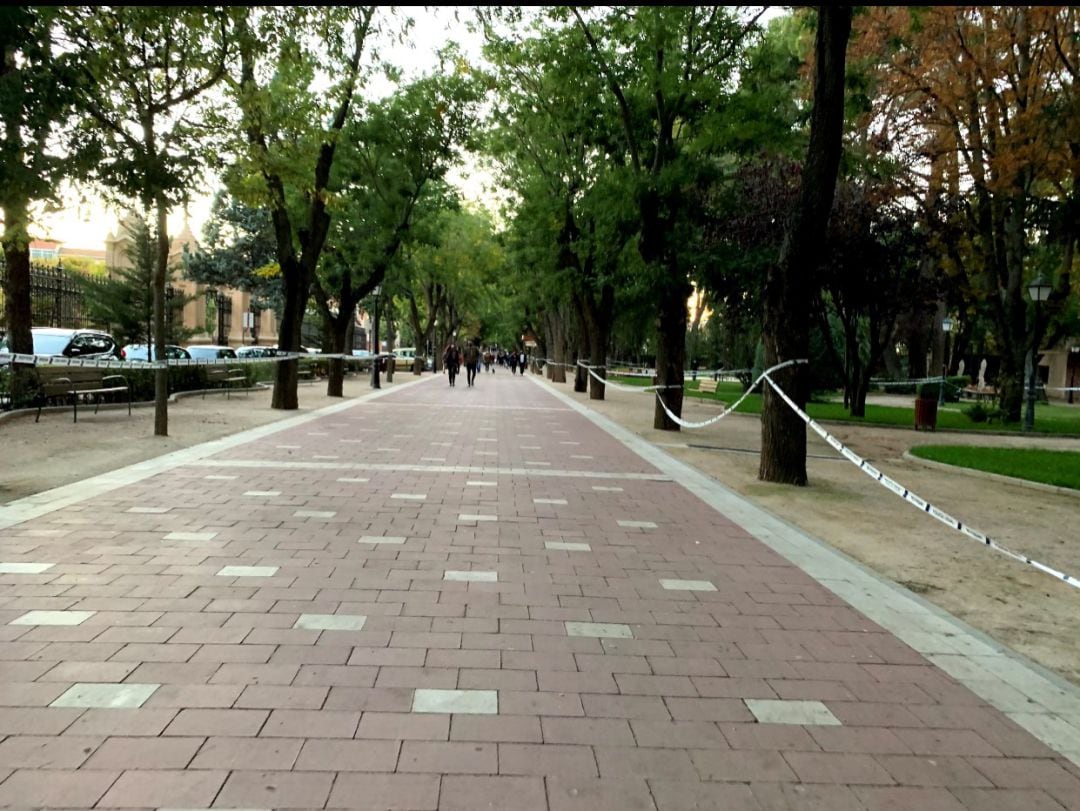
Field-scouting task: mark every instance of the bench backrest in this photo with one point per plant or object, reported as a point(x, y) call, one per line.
point(708, 386)
point(62, 379)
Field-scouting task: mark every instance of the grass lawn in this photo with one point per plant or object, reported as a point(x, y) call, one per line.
point(1061, 468)
point(1049, 419)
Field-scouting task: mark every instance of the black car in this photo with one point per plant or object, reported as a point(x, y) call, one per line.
point(72, 343)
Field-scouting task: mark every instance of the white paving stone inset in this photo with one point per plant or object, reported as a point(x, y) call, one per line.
point(42, 617)
point(314, 514)
point(191, 536)
point(805, 713)
point(600, 630)
point(25, 568)
point(259, 493)
point(409, 496)
point(565, 546)
point(331, 622)
point(549, 501)
point(101, 695)
point(688, 585)
point(392, 539)
point(468, 517)
point(458, 702)
point(248, 571)
point(353, 480)
point(601, 489)
point(481, 484)
point(637, 524)
point(471, 577)
point(216, 478)
point(148, 510)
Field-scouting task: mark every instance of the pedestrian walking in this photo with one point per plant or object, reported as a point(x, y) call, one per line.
point(522, 360)
point(512, 362)
point(472, 363)
point(451, 360)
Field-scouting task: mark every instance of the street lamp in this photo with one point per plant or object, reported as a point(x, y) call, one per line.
point(946, 327)
point(375, 341)
point(1039, 290)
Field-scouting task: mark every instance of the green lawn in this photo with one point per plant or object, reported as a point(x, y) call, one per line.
point(1061, 468)
point(1049, 419)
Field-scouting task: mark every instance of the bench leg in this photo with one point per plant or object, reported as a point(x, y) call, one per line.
point(97, 402)
point(75, 407)
point(129, 402)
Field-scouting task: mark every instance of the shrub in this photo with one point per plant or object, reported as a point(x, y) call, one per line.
point(977, 413)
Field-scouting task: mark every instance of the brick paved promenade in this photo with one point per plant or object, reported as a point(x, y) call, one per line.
point(461, 599)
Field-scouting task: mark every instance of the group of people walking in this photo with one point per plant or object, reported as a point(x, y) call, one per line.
point(472, 357)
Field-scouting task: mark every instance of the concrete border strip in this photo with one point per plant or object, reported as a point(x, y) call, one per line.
point(1038, 700)
point(49, 501)
point(996, 477)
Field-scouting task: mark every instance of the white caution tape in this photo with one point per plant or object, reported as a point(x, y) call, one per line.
point(618, 387)
point(914, 499)
point(730, 409)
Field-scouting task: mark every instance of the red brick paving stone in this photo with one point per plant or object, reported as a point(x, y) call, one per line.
point(933, 770)
point(477, 793)
point(662, 764)
point(173, 788)
point(310, 724)
point(144, 753)
point(271, 789)
point(547, 759)
point(36, 720)
point(218, 722)
point(195, 696)
point(679, 734)
point(1021, 799)
point(31, 694)
point(122, 722)
point(740, 767)
point(686, 795)
point(276, 697)
point(393, 792)
point(515, 703)
point(29, 788)
point(496, 728)
point(448, 758)
point(89, 672)
point(31, 752)
point(708, 709)
point(377, 699)
point(788, 796)
point(603, 706)
point(590, 731)
point(832, 767)
point(335, 755)
point(1027, 773)
point(247, 753)
point(903, 798)
point(404, 726)
point(582, 794)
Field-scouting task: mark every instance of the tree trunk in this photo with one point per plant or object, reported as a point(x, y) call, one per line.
point(584, 350)
point(789, 285)
point(391, 337)
point(161, 376)
point(339, 344)
point(671, 350)
point(558, 348)
point(17, 300)
point(600, 319)
point(285, 374)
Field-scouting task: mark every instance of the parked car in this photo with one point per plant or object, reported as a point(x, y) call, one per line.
point(210, 352)
point(144, 352)
point(72, 343)
point(258, 352)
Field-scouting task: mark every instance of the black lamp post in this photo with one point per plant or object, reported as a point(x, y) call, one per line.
point(375, 342)
point(946, 327)
point(1039, 290)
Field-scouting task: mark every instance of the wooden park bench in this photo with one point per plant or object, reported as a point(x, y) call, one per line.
point(222, 377)
point(708, 386)
point(72, 383)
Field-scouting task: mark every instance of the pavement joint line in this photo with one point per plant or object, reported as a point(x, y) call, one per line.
point(49, 501)
point(261, 464)
point(873, 595)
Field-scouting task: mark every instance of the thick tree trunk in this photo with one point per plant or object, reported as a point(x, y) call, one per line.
point(789, 285)
point(600, 320)
point(17, 301)
point(335, 379)
point(391, 337)
point(161, 267)
point(558, 346)
point(584, 350)
point(285, 373)
point(671, 350)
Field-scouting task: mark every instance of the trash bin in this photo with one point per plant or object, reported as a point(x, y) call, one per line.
point(926, 413)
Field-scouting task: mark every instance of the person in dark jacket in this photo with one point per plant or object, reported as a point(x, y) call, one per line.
point(472, 363)
point(451, 360)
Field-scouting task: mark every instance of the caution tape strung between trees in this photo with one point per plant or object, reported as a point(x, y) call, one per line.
point(912, 498)
point(730, 409)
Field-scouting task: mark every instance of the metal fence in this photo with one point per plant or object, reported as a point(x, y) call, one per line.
point(57, 297)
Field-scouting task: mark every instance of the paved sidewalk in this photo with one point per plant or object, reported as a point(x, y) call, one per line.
point(460, 599)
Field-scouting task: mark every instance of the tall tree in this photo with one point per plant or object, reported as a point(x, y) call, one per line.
point(143, 87)
point(35, 101)
point(292, 128)
point(790, 284)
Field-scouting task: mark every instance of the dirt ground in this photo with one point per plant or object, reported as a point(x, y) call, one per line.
point(1015, 604)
